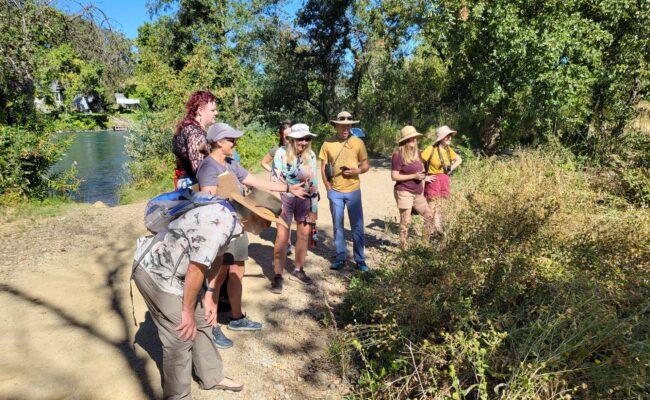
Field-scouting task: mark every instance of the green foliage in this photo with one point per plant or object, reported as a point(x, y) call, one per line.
point(149, 147)
point(540, 290)
point(64, 65)
point(626, 170)
point(74, 122)
point(26, 156)
point(40, 43)
point(255, 144)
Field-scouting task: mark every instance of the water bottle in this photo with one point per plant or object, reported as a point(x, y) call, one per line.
point(313, 240)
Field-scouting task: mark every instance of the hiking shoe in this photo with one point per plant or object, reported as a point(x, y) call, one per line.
point(337, 265)
point(361, 266)
point(299, 275)
point(290, 249)
point(244, 324)
point(219, 339)
point(276, 285)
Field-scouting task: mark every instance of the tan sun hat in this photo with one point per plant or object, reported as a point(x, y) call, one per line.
point(444, 131)
point(407, 133)
point(263, 204)
point(343, 118)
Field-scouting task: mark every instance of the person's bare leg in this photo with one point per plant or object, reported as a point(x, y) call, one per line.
point(235, 289)
point(302, 233)
point(425, 211)
point(435, 205)
point(404, 223)
point(280, 249)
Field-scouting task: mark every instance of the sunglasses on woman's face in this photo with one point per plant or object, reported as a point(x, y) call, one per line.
point(304, 139)
point(231, 140)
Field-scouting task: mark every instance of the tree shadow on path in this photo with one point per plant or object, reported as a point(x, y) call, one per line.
point(113, 263)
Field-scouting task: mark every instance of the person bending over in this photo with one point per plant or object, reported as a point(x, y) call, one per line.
point(169, 271)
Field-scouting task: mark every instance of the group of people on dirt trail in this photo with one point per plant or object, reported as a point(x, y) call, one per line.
point(180, 275)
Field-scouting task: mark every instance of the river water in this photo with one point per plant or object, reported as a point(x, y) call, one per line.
point(101, 158)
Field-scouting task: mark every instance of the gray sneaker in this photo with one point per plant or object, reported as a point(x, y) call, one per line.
point(244, 324)
point(219, 339)
point(299, 275)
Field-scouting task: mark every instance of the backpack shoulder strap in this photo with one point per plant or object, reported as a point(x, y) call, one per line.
point(136, 263)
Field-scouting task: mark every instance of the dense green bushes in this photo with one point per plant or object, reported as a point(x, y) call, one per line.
point(540, 291)
point(25, 157)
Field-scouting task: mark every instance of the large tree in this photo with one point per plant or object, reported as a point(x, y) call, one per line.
point(30, 29)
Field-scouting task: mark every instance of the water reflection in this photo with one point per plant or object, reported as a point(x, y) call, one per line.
point(101, 158)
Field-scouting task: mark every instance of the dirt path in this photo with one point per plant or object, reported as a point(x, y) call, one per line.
point(67, 330)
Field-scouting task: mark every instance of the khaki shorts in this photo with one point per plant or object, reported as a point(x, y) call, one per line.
point(407, 200)
point(237, 250)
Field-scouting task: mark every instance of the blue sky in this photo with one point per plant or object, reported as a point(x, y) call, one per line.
point(127, 15)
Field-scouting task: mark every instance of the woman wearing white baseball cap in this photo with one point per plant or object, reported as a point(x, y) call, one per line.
point(295, 163)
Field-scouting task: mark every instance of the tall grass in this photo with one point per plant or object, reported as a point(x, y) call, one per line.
point(541, 290)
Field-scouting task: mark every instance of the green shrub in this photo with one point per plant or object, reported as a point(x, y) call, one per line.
point(74, 121)
point(256, 142)
point(539, 291)
point(625, 170)
point(26, 154)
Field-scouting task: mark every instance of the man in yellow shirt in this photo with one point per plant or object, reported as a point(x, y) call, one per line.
point(343, 158)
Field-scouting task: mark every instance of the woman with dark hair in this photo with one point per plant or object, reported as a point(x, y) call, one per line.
point(267, 161)
point(189, 141)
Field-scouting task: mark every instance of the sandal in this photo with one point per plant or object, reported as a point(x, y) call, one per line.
point(226, 387)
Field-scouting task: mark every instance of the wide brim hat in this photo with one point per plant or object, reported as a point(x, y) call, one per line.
point(220, 131)
point(408, 132)
point(299, 131)
point(263, 204)
point(343, 118)
point(444, 131)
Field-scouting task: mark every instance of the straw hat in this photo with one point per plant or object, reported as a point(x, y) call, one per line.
point(263, 204)
point(444, 131)
point(343, 118)
point(407, 133)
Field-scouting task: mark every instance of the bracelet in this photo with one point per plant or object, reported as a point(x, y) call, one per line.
point(210, 289)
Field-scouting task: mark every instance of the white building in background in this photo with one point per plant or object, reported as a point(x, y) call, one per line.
point(122, 101)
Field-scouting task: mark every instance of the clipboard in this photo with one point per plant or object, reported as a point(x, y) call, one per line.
point(227, 185)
